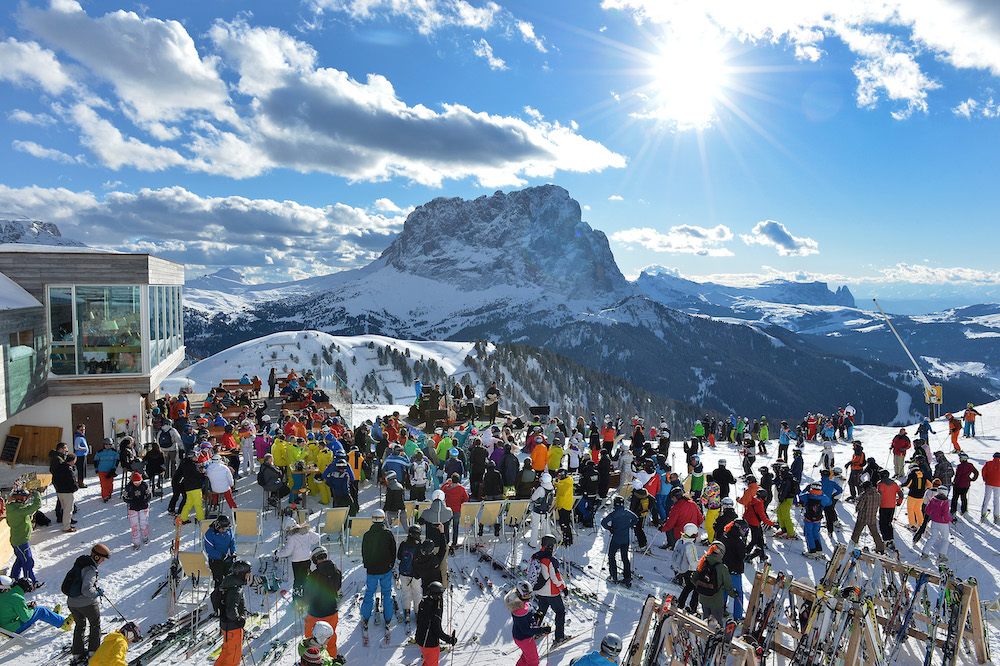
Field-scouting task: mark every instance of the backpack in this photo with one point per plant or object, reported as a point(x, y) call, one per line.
point(534, 573)
point(406, 556)
point(706, 580)
point(72, 585)
point(165, 440)
point(544, 503)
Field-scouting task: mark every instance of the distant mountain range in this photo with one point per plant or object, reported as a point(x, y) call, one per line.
point(524, 267)
point(33, 232)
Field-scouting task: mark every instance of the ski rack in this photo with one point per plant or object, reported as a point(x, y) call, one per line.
point(970, 610)
point(742, 653)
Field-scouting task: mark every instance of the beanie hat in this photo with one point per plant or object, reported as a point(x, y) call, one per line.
point(312, 656)
point(136, 477)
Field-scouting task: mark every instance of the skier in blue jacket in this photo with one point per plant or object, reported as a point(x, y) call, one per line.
point(620, 523)
point(220, 548)
point(611, 647)
point(814, 501)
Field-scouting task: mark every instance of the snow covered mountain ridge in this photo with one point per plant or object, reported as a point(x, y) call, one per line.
point(33, 232)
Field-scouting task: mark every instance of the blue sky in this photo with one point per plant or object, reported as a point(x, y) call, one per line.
point(854, 141)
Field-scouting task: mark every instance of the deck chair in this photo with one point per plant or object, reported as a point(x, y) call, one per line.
point(418, 508)
point(409, 507)
point(359, 526)
point(490, 515)
point(334, 522)
point(516, 511)
point(467, 518)
point(196, 569)
point(248, 524)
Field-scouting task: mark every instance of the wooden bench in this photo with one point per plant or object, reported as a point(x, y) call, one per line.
point(233, 384)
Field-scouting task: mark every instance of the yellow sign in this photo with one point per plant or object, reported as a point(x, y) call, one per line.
point(933, 395)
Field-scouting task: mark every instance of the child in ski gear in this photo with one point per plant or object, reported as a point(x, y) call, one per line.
point(322, 596)
point(409, 580)
point(525, 623)
point(970, 421)
point(611, 647)
point(891, 496)
point(550, 588)
point(137, 496)
point(917, 484)
point(619, 522)
point(833, 490)
point(937, 511)
point(685, 564)
point(18, 615)
point(991, 476)
point(114, 649)
point(712, 581)
point(20, 508)
point(430, 633)
point(639, 503)
point(814, 502)
point(378, 555)
point(82, 592)
point(227, 599)
point(965, 474)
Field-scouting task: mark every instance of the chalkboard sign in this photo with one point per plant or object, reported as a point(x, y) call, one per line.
point(11, 446)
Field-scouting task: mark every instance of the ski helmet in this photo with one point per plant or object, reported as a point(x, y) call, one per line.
point(240, 568)
point(437, 495)
point(549, 541)
point(722, 462)
point(691, 530)
point(435, 589)
point(611, 646)
point(547, 481)
point(130, 630)
point(619, 501)
point(319, 553)
point(524, 589)
point(720, 548)
point(322, 632)
point(728, 502)
point(762, 493)
point(378, 516)
point(221, 524)
point(427, 547)
point(390, 476)
point(26, 584)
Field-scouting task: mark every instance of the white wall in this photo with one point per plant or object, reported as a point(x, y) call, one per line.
point(56, 411)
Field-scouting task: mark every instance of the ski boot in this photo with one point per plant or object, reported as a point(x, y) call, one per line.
point(388, 637)
point(364, 632)
point(406, 620)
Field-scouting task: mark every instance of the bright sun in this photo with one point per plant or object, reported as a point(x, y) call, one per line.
point(689, 77)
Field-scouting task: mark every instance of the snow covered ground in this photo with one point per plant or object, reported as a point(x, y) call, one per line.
point(130, 577)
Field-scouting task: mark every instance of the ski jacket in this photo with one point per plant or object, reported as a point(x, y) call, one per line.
point(589, 479)
point(137, 497)
point(106, 460)
point(788, 487)
point(868, 505)
point(220, 477)
point(477, 463)
point(698, 478)
point(523, 615)
point(619, 522)
point(64, 479)
point(338, 479)
point(378, 550)
point(892, 494)
point(219, 545)
point(13, 609)
point(539, 455)
point(436, 514)
point(492, 484)
point(300, 543)
point(917, 484)
point(113, 651)
point(455, 495)
point(764, 432)
point(80, 447)
point(564, 494)
point(857, 461)
point(429, 632)
point(509, 467)
point(231, 606)
point(683, 511)
point(639, 504)
point(321, 590)
point(725, 582)
point(394, 497)
point(398, 464)
point(796, 468)
point(724, 478)
point(736, 549)
point(419, 472)
point(553, 585)
point(269, 477)
point(954, 425)
point(831, 488)
point(938, 511)
point(900, 445)
point(755, 514)
point(710, 496)
point(685, 556)
point(84, 590)
point(965, 474)
point(594, 658)
point(813, 505)
point(971, 414)
point(991, 472)
point(454, 466)
point(190, 477)
point(943, 470)
point(19, 519)
point(725, 517)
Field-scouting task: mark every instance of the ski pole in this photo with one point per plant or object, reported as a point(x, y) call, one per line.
point(113, 606)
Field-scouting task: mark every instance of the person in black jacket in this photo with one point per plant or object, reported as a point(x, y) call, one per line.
point(228, 602)
point(477, 467)
point(427, 566)
point(734, 537)
point(726, 515)
point(767, 485)
point(322, 595)
point(604, 475)
point(587, 506)
point(192, 480)
point(137, 496)
point(492, 491)
point(272, 481)
point(64, 480)
point(378, 556)
point(430, 633)
point(724, 478)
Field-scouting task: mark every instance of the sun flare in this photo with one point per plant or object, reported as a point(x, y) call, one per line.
point(688, 80)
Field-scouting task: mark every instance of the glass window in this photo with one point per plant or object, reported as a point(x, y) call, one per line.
point(108, 330)
point(151, 301)
point(63, 355)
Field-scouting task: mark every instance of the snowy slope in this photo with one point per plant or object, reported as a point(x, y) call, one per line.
point(129, 577)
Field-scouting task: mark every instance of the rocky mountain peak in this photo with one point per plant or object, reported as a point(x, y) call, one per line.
point(34, 232)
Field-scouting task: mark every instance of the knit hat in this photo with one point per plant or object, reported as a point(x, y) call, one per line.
point(312, 656)
point(136, 477)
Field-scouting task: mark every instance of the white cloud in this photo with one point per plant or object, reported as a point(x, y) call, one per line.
point(774, 234)
point(26, 63)
point(117, 150)
point(386, 205)
point(615, 197)
point(528, 33)
point(212, 231)
point(28, 118)
point(483, 49)
point(974, 108)
point(44, 153)
point(427, 15)
point(889, 37)
point(683, 239)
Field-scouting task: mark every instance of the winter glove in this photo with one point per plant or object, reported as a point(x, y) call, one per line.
point(452, 639)
point(565, 592)
point(100, 591)
point(543, 630)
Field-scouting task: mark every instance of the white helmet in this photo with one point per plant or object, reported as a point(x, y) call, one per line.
point(727, 501)
point(378, 516)
point(217, 458)
point(437, 495)
point(322, 632)
point(547, 481)
point(266, 418)
point(610, 646)
point(691, 530)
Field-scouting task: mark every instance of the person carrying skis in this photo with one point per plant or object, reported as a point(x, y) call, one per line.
point(114, 648)
point(82, 592)
point(916, 484)
point(755, 515)
point(940, 522)
point(321, 593)
point(965, 474)
point(734, 538)
point(619, 522)
point(378, 555)
point(712, 582)
point(900, 445)
point(526, 623)
point(429, 632)
point(611, 647)
point(867, 515)
point(991, 476)
point(891, 497)
point(813, 500)
point(227, 599)
point(409, 581)
point(549, 587)
point(21, 506)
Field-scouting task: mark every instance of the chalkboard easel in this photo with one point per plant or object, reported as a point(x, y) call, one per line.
point(11, 447)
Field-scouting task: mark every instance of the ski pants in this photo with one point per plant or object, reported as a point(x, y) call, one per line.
point(850, 432)
point(139, 521)
point(738, 599)
point(640, 531)
point(756, 547)
point(331, 645)
point(246, 464)
point(24, 563)
point(192, 500)
point(82, 616)
point(915, 510)
point(107, 484)
point(853, 482)
point(970, 429)
point(558, 607)
point(812, 535)
point(991, 492)
point(393, 517)
point(710, 517)
point(170, 461)
point(831, 517)
point(872, 529)
point(66, 501)
point(622, 550)
point(785, 517)
point(539, 526)
point(232, 648)
point(783, 451)
point(661, 507)
point(885, 523)
point(529, 652)
point(899, 463)
point(689, 589)
point(411, 593)
point(937, 540)
point(565, 525)
point(41, 615)
point(963, 494)
point(368, 603)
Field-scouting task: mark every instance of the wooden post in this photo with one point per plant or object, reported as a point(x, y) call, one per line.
point(755, 591)
point(979, 637)
point(851, 656)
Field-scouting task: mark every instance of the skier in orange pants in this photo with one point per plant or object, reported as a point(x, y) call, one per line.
point(228, 601)
point(954, 428)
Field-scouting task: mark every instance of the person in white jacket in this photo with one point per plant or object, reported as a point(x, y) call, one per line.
point(542, 501)
point(685, 564)
point(298, 549)
point(220, 479)
point(247, 451)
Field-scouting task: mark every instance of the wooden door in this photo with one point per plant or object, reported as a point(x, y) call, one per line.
point(90, 414)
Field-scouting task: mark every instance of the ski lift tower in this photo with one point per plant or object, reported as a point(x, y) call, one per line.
point(932, 393)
